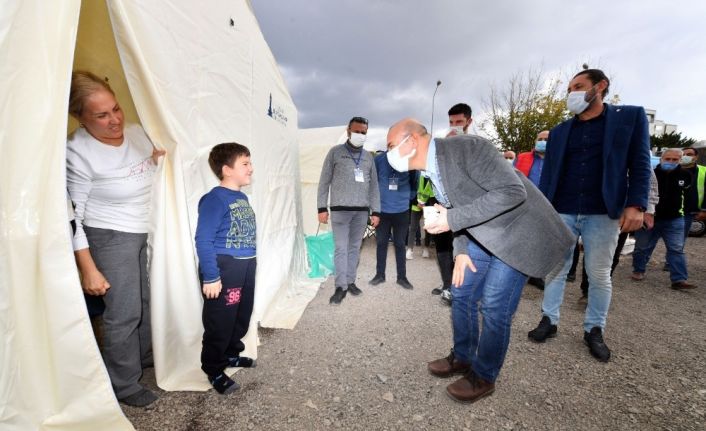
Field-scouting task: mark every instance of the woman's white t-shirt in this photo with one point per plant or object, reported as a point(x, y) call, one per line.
point(108, 185)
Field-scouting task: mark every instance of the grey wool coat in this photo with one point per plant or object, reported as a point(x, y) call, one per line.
point(499, 207)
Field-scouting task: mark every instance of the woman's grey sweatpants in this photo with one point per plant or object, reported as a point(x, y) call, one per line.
point(127, 341)
point(348, 230)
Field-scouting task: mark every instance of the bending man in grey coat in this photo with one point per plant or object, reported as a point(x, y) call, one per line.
point(504, 230)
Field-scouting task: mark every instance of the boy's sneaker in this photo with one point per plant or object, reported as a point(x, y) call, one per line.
point(410, 254)
point(353, 289)
point(141, 398)
point(544, 330)
point(338, 296)
point(223, 384)
point(242, 362)
point(425, 253)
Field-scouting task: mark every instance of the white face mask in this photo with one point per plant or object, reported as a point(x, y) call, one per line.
point(686, 160)
point(398, 162)
point(576, 102)
point(357, 139)
point(458, 130)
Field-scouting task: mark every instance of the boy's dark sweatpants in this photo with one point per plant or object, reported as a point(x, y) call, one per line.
point(226, 319)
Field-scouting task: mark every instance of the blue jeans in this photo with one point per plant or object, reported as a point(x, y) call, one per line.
point(688, 219)
point(497, 288)
point(600, 236)
point(672, 232)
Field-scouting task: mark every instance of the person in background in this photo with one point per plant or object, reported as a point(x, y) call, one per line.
point(109, 173)
point(587, 164)
point(349, 178)
point(424, 192)
point(226, 247)
point(509, 155)
point(530, 163)
point(460, 119)
point(694, 198)
point(674, 183)
point(395, 194)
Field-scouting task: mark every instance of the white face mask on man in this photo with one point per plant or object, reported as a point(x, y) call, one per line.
point(398, 162)
point(576, 101)
point(458, 130)
point(357, 139)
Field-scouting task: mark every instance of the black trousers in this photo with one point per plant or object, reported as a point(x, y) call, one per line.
point(226, 318)
point(397, 225)
point(445, 256)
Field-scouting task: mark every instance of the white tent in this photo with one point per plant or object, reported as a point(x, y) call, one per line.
point(199, 73)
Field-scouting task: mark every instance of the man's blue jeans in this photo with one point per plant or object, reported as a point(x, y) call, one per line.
point(672, 232)
point(495, 288)
point(600, 236)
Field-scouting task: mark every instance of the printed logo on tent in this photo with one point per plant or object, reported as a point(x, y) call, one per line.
point(277, 113)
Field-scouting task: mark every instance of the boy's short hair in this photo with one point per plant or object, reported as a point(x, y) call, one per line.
point(225, 154)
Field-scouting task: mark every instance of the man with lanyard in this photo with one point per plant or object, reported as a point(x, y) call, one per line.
point(395, 194)
point(349, 179)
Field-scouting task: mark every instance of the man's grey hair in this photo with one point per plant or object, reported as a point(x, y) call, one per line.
point(673, 150)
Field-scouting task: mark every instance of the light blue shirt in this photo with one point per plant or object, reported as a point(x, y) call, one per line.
point(432, 172)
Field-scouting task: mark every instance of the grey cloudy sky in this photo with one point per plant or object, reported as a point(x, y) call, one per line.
point(381, 59)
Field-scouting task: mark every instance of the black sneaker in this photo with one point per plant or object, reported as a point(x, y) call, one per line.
point(571, 277)
point(378, 279)
point(594, 341)
point(544, 330)
point(353, 289)
point(446, 296)
point(242, 362)
point(141, 398)
point(437, 291)
point(405, 283)
point(338, 296)
point(223, 384)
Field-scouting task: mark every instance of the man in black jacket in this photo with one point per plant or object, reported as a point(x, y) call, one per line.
point(673, 182)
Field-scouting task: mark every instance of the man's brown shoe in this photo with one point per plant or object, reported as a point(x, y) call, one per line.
point(682, 285)
point(469, 388)
point(638, 276)
point(448, 366)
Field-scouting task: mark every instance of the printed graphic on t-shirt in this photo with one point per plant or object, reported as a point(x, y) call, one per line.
point(141, 169)
point(242, 225)
point(233, 295)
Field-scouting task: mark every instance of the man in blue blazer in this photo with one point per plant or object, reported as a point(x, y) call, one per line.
point(597, 175)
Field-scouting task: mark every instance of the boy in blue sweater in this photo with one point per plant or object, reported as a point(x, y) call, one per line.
point(225, 244)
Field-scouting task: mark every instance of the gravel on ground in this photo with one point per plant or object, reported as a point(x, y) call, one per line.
point(362, 365)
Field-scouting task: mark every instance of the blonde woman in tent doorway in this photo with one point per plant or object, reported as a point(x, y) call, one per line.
point(110, 167)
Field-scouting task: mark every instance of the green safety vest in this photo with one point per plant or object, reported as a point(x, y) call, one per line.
point(700, 183)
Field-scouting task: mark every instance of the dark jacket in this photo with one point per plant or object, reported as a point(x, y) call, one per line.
point(673, 185)
point(626, 152)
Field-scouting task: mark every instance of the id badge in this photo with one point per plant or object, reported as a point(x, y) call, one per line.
point(359, 177)
point(394, 181)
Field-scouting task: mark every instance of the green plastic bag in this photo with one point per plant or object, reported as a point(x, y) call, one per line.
point(319, 251)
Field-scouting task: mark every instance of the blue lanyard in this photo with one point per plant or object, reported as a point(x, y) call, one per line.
point(357, 162)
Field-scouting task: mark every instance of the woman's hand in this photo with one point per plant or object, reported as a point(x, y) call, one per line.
point(156, 154)
point(94, 283)
point(212, 290)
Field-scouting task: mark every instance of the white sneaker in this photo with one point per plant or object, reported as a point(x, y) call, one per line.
point(425, 253)
point(410, 256)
